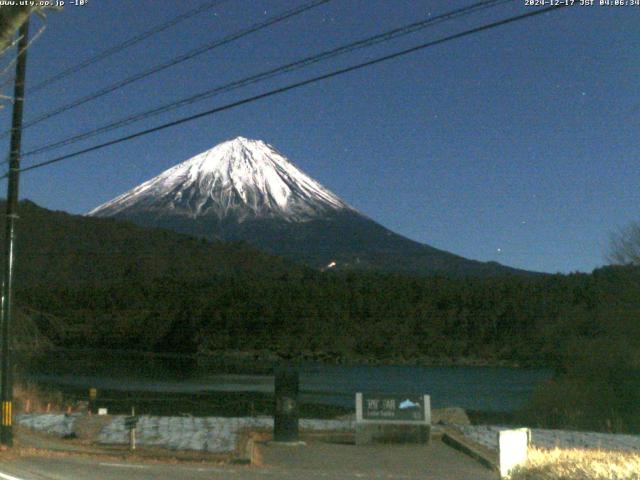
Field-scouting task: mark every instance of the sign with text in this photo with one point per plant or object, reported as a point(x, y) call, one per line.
point(393, 408)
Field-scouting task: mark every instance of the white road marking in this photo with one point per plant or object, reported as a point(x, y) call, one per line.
point(8, 477)
point(120, 465)
point(216, 470)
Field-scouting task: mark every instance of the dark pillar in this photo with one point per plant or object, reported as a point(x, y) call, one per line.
point(6, 380)
point(93, 396)
point(285, 420)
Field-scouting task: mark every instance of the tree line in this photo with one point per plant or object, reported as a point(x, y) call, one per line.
point(96, 283)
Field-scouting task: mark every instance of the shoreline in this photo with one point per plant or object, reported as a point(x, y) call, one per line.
point(266, 360)
point(251, 358)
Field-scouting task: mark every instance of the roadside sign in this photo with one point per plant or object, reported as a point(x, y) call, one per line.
point(393, 407)
point(130, 422)
point(392, 418)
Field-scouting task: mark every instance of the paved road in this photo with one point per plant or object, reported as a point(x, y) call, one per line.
point(316, 461)
point(83, 468)
point(404, 462)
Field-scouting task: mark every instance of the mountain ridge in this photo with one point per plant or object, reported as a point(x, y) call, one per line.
point(56, 248)
point(246, 190)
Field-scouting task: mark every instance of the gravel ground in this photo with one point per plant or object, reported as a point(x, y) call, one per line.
point(220, 434)
point(487, 435)
point(207, 434)
point(60, 425)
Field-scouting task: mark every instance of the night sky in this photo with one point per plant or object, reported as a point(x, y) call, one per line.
point(518, 145)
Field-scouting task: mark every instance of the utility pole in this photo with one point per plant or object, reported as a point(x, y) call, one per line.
point(6, 380)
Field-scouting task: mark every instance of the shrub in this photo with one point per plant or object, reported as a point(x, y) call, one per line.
point(577, 464)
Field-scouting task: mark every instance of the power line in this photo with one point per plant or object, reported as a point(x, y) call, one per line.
point(175, 61)
point(294, 86)
point(124, 45)
point(304, 62)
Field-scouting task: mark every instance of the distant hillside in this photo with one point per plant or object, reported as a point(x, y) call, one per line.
point(56, 249)
point(91, 283)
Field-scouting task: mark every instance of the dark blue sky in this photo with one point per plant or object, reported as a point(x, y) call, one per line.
point(518, 145)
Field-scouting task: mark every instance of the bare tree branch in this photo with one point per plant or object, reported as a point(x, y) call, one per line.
point(11, 18)
point(624, 246)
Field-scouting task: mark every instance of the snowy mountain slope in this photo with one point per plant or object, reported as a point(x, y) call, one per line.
point(241, 179)
point(245, 190)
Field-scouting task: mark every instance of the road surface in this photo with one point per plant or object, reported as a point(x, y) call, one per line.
point(315, 461)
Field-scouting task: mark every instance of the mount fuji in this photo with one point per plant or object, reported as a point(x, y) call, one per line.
point(245, 190)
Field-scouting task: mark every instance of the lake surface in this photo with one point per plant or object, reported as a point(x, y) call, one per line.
point(489, 389)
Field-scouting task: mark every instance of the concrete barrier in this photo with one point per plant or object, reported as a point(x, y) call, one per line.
point(513, 449)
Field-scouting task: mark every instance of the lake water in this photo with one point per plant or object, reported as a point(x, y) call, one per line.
point(489, 389)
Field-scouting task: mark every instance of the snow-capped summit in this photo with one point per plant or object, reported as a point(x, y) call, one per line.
point(245, 190)
point(240, 179)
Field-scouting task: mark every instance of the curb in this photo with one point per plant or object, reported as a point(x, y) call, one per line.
point(483, 455)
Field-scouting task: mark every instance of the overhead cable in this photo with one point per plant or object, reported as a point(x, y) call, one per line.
point(174, 61)
point(296, 85)
point(262, 76)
